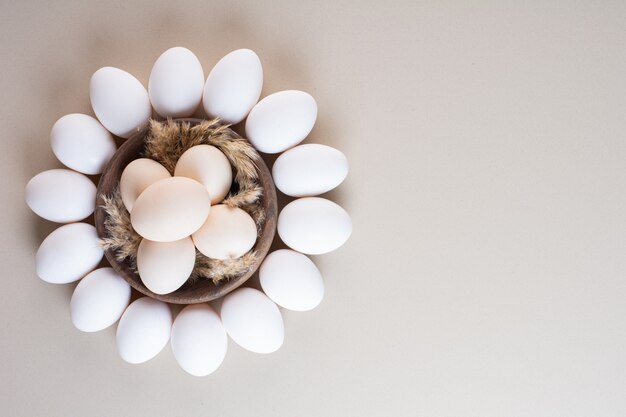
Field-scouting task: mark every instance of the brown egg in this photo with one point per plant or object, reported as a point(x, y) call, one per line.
point(165, 266)
point(137, 176)
point(227, 233)
point(170, 209)
point(210, 167)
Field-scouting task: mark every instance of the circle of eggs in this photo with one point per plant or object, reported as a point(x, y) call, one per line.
point(178, 212)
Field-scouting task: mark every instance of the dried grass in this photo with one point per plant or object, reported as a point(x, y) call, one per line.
point(165, 143)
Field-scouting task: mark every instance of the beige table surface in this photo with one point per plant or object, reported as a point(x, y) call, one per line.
point(486, 275)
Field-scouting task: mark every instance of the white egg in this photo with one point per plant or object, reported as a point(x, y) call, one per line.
point(252, 320)
point(314, 225)
point(210, 167)
point(99, 300)
point(61, 195)
point(120, 101)
point(233, 86)
point(176, 83)
point(170, 209)
point(291, 280)
point(165, 266)
point(80, 142)
point(143, 330)
point(198, 341)
point(229, 232)
point(309, 170)
point(281, 120)
point(68, 253)
point(137, 176)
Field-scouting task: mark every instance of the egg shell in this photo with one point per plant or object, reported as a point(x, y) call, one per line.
point(291, 280)
point(314, 225)
point(281, 120)
point(120, 101)
point(233, 86)
point(99, 300)
point(68, 253)
point(210, 167)
point(137, 176)
point(61, 195)
point(309, 170)
point(252, 320)
point(229, 232)
point(176, 83)
point(165, 266)
point(81, 143)
point(170, 209)
point(198, 340)
point(143, 330)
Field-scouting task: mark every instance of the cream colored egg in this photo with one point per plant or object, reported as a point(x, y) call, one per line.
point(313, 225)
point(210, 167)
point(198, 341)
point(252, 320)
point(120, 101)
point(170, 209)
point(99, 300)
point(227, 233)
point(68, 253)
point(165, 266)
point(61, 195)
point(143, 330)
point(137, 176)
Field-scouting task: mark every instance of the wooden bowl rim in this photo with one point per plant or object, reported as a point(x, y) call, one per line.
point(210, 291)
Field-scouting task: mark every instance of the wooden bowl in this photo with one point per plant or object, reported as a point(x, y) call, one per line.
point(201, 290)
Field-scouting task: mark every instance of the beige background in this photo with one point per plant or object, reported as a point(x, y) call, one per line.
point(486, 275)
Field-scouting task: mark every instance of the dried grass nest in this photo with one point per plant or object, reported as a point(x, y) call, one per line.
point(165, 143)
